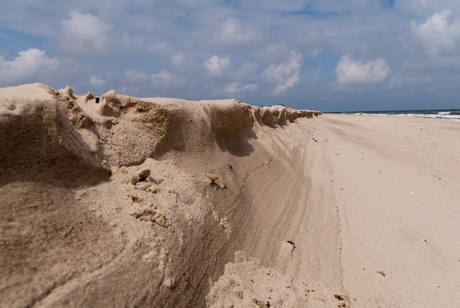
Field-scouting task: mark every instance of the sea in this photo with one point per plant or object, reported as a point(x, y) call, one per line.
point(452, 114)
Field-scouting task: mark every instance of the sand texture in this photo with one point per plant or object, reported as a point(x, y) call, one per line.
point(117, 201)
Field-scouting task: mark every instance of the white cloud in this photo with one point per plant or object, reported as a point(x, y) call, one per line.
point(179, 60)
point(216, 66)
point(167, 79)
point(183, 63)
point(96, 81)
point(32, 65)
point(234, 33)
point(232, 87)
point(274, 52)
point(235, 87)
point(285, 74)
point(163, 80)
point(84, 35)
point(281, 88)
point(351, 72)
point(435, 34)
point(251, 87)
point(251, 42)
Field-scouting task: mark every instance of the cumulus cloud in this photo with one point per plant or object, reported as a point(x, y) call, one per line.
point(234, 33)
point(285, 74)
point(232, 87)
point(84, 35)
point(233, 46)
point(216, 66)
point(183, 63)
point(274, 52)
point(96, 81)
point(351, 72)
point(32, 65)
point(290, 82)
point(435, 34)
point(235, 87)
point(251, 87)
point(167, 79)
point(162, 80)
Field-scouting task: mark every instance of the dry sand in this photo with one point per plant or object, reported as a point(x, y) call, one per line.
point(155, 202)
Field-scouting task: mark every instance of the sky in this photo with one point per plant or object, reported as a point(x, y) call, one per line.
point(327, 55)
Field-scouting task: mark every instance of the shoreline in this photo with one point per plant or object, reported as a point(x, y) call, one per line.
point(451, 114)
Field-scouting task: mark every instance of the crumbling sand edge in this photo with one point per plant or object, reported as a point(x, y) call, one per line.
point(62, 152)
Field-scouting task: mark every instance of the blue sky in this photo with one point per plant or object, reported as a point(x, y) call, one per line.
point(328, 55)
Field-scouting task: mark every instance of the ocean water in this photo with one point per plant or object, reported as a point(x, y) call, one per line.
point(452, 114)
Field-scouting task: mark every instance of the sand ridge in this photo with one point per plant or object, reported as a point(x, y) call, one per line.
point(93, 155)
point(162, 202)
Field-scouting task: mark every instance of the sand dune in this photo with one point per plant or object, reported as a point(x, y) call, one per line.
point(155, 202)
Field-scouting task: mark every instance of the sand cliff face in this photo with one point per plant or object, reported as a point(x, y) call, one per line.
point(104, 202)
point(117, 201)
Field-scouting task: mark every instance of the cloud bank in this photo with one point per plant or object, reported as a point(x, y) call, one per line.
point(350, 72)
point(327, 55)
point(436, 34)
point(31, 65)
point(84, 35)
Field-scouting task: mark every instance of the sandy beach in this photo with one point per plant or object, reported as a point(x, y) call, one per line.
point(396, 184)
point(116, 201)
